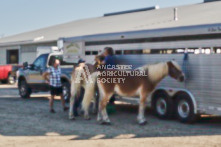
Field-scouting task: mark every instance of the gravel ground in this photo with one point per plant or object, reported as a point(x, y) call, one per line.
point(23, 120)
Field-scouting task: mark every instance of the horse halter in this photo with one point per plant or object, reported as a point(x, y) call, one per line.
point(174, 72)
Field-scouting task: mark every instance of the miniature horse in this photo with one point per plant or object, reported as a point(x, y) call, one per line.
point(79, 79)
point(140, 86)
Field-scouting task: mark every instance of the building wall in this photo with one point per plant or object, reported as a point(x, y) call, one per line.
point(2, 56)
point(27, 53)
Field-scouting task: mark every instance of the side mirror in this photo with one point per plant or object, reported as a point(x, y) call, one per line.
point(25, 64)
point(31, 66)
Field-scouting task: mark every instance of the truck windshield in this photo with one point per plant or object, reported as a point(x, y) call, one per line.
point(59, 57)
point(41, 61)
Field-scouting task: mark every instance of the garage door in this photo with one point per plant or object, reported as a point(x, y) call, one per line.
point(28, 54)
point(28, 57)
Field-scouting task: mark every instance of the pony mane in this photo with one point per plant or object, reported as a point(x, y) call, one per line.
point(156, 71)
point(176, 65)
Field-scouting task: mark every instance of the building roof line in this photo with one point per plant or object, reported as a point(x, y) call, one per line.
point(188, 15)
point(24, 43)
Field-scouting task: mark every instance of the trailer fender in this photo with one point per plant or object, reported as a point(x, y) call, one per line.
point(191, 97)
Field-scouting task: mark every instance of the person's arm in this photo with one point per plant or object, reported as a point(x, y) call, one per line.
point(104, 62)
point(45, 75)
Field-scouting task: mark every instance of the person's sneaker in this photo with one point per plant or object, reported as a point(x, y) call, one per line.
point(52, 111)
point(65, 108)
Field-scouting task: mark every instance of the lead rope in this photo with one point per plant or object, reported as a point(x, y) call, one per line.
point(185, 67)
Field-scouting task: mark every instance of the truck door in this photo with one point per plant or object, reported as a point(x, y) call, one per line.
point(36, 71)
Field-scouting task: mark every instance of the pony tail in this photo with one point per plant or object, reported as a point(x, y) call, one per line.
point(89, 92)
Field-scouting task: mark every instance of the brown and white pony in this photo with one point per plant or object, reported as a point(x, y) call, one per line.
point(81, 75)
point(140, 86)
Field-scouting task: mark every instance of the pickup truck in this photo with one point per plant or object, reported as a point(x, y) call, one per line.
point(30, 78)
point(8, 73)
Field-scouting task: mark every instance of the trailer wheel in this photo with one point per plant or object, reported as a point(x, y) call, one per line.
point(162, 105)
point(185, 109)
point(24, 90)
point(66, 91)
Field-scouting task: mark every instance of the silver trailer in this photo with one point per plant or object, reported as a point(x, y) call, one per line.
point(196, 48)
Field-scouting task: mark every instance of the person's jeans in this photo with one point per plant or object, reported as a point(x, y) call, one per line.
point(78, 101)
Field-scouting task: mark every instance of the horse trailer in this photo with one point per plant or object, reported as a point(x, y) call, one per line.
point(196, 48)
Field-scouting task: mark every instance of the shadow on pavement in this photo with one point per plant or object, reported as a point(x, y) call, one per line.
point(31, 117)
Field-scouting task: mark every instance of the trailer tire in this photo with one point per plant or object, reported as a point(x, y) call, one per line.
point(185, 109)
point(162, 105)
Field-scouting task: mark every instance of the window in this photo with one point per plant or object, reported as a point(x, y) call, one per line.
point(40, 62)
point(193, 50)
point(163, 51)
point(156, 39)
point(87, 53)
point(118, 52)
point(60, 58)
point(217, 50)
point(146, 51)
point(206, 51)
point(151, 51)
point(94, 52)
point(133, 52)
point(180, 51)
point(12, 56)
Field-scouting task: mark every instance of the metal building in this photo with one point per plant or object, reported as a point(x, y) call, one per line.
point(22, 47)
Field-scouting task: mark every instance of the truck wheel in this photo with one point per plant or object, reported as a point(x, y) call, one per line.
point(66, 91)
point(24, 90)
point(11, 79)
point(162, 105)
point(185, 109)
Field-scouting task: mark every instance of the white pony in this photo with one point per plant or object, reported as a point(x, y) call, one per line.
point(83, 77)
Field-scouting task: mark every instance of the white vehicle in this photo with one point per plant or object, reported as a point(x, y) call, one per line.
point(46, 50)
point(196, 48)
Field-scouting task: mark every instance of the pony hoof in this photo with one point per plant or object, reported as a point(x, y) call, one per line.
point(99, 120)
point(143, 123)
point(71, 118)
point(76, 114)
point(105, 123)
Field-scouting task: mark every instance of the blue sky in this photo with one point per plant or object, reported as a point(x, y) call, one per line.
point(17, 16)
